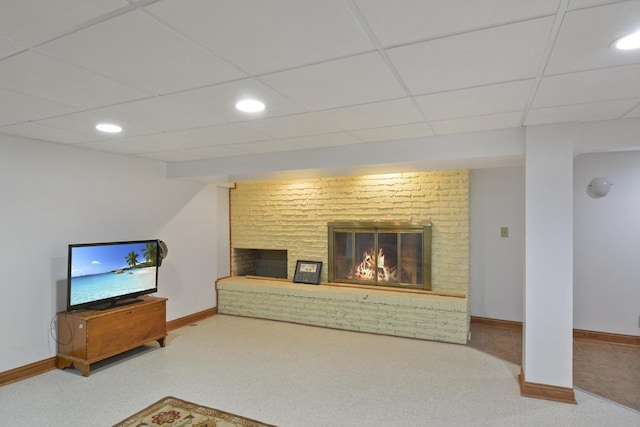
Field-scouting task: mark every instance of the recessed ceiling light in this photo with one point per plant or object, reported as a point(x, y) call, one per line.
point(629, 42)
point(108, 127)
point(250, 105)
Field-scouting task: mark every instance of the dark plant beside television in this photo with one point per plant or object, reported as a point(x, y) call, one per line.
point(103, 275)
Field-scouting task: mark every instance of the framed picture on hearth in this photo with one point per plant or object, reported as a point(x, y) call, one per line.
point(308, 272)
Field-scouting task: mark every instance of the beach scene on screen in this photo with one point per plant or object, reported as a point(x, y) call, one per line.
point(107, 271)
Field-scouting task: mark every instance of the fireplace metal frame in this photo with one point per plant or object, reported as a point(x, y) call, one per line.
point(383, 227)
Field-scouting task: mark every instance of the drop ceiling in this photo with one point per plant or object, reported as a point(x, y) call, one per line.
point(331, 73)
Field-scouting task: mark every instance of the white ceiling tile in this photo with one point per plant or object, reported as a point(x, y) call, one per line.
point(213, 152)
point(86, 122)
point(223, 134)
point(509, 52)
point(479, 123)
point(118, 146)
point(380, 114)
point(484, 100)
point(262, 37)
point(589, 86)
point(348, 81)
point(46, 133)
point(164, 142)
point(171, 156)
point(219, 101)
point(580, 113)
point(391, 133)
point(6, 120)
point(295, 125)
point(157, 113)
point(134, 49)
point(321, 141)
point(26, 107)
point(260, 147)
point(171, 71)
point(8, 48)
point(579, 4)
point(30, 21)
point(402, 21)
point(634, 113)
point(47, 78)
point(576, 49)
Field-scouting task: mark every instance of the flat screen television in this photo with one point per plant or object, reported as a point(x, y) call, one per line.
point(104, 275)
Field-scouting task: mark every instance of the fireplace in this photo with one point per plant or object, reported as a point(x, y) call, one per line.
point(380, 253)
point(259, 262)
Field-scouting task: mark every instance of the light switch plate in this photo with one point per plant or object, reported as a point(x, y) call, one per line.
point(504, 231)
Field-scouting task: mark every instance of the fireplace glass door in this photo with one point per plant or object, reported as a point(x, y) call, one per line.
point(387, 254)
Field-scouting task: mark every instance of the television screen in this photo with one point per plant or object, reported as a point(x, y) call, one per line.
point(102, 274)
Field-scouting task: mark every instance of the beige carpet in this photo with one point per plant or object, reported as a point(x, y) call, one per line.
point(173, 412)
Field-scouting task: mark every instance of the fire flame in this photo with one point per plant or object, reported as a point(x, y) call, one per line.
point(367, 269)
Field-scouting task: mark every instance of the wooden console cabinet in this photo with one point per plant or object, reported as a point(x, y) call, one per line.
point(88, 336)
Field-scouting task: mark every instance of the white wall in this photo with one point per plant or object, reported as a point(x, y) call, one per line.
point(497, 263)
point(607, 244)
point(52, 195)
point(606, 241)
point(187, 276)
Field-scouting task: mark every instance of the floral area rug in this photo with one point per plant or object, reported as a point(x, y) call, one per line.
point(172, 412)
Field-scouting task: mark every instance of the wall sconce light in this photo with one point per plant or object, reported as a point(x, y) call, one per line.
point(599, 187)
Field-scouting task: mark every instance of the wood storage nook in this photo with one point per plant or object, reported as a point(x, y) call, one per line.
point(88, 336)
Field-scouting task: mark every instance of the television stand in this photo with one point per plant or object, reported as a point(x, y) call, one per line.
point(88, 336)
point(115, 304)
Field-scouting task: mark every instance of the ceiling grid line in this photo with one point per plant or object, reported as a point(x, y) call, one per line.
point(551, 40)
point(383, 54)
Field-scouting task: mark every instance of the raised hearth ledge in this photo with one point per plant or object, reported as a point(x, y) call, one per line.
point(374, 287)
point(382, 311)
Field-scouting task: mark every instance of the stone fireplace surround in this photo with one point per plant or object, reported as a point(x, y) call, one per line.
point(293, 215)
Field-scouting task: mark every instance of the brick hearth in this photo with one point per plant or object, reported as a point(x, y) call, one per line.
point(386, 312)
